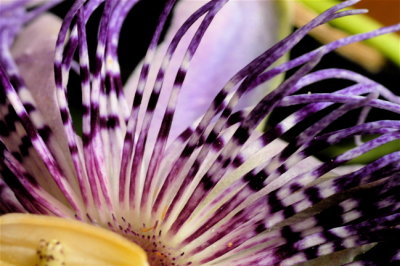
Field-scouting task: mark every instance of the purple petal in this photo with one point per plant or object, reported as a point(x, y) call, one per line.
point(33, 53)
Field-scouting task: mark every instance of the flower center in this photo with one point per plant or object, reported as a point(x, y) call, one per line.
point(150, 239)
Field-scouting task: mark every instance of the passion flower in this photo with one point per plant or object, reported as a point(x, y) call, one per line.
point(187, 178)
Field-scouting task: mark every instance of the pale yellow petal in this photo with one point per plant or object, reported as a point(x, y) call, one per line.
point(32, 239)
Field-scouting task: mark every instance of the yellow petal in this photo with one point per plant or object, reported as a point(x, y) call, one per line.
point(27, 239)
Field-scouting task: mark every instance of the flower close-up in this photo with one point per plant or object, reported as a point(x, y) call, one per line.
point(210, 149)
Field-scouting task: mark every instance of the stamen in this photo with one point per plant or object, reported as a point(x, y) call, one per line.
point(50, 253)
